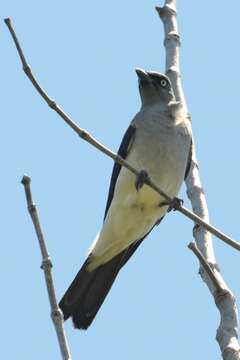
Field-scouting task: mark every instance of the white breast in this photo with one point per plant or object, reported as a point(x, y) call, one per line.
point(162, 150)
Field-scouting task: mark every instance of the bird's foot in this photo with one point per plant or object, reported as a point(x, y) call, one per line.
point(175, 204)
point(141, 179)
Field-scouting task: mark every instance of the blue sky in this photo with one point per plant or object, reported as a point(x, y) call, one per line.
point(84, 54)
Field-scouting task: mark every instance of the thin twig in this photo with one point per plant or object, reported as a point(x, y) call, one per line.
point(192, 246)
point(87, 137)
point(46, 266)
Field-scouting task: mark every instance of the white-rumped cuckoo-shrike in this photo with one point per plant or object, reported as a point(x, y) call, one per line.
point(158, 144)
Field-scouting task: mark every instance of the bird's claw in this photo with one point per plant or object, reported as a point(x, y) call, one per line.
point(141, 179)
point(175, 204)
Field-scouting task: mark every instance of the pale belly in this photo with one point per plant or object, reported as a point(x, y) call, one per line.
point(133, 213)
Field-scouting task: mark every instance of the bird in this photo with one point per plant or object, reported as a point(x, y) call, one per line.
point(158, 144)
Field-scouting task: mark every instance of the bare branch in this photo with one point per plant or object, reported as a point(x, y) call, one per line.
point(46, 266)
point(227, 332)
point(90, 139)
point(192, 246)
point(172, 43)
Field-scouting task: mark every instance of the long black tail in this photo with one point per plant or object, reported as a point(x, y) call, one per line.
point(88, 290)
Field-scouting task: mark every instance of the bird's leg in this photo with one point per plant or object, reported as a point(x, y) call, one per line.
point(175, 204)
point(141, 179)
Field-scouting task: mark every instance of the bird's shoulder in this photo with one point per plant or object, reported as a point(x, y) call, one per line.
point(172, 121)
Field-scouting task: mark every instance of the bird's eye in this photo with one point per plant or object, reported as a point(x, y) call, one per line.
point(163, 83)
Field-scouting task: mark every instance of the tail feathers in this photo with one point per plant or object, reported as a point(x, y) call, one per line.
point(88, 290)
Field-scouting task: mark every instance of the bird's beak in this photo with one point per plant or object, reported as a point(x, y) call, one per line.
point(142, 74)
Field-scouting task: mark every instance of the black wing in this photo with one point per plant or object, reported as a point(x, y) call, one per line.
point(122, 151)
point(189, 162)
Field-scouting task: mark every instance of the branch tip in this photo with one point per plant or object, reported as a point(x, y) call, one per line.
point(26, 180)
point(7, 21)
point(166, 11)
point(191, 245)
point(207, 267)
point(158, 8)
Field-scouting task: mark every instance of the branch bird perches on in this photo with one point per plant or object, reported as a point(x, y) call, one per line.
point(91, 140)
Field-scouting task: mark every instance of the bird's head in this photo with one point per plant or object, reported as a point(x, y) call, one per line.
point(154, 88)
